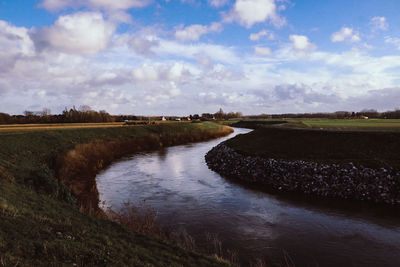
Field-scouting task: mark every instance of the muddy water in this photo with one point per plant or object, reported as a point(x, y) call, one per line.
point(187, 195)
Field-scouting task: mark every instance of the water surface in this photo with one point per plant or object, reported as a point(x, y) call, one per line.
point(177, 183)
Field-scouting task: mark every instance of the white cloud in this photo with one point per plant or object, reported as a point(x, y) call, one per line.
point(218, 53)
point(82, 32)
point(205, 61)
point(257, 36)
point(160, 72)
point(164, 92)
point(15, 39)
point(115, 9)
point(250, 12)
point(55, 5)
point(379, 23)
point(217, 3)
point(143, 46)
point(345, 35)
point(262, 51)
point(118, 4)
point(301, 44)
point(393, 40)
point(147, 73)
point(194, 32)
point(122, 81)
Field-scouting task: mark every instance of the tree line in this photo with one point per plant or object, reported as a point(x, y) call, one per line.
point(219, 115)
point(82, 115)
point(370, 113)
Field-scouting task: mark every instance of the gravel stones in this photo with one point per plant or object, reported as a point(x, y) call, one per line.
point(346, 181)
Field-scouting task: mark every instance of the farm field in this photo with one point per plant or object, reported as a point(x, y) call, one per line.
point(360, 124)
point(376, 148)
point(12, 128)
point(19, 128)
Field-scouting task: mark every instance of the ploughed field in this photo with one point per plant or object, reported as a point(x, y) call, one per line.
point(324, 124)
point(371, 149)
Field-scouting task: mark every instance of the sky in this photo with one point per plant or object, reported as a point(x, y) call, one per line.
point(180, 57)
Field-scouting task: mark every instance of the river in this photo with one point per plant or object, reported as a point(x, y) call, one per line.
point(176, 182)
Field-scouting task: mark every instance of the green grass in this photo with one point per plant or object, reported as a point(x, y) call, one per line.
point(40, 224)
point(370, 124)
point(227, 122)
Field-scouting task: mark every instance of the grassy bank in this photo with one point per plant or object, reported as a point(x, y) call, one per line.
point(40, 223)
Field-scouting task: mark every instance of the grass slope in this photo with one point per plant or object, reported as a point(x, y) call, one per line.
point(40, 225)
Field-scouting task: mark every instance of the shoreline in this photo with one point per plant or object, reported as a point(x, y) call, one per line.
point(40, 223)
point(78, 168)
point(341, 180)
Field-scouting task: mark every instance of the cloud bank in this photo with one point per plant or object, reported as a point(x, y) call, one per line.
point(84, 57)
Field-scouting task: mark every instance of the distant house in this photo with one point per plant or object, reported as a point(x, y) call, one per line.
point(163, 118)
point(363, 117)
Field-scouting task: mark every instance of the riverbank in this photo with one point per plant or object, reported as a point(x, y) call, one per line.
point(78, 167)
point(350, 165)
point(40, 222)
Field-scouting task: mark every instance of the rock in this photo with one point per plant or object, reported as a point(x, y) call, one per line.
point(334, 180)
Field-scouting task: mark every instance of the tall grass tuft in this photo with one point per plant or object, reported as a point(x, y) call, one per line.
point(140, 218)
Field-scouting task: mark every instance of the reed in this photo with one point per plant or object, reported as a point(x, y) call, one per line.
point(140, 218)
point(78, 167)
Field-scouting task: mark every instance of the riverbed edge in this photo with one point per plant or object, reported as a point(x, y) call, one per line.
point(40, 224)
point(78, 167)
point(345, 181)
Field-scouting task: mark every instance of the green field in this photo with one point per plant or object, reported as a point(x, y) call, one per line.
point(362, 124)
point(40, 225)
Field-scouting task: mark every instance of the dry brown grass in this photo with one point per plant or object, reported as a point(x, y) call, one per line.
point(140, 218)
point(5, 174)
point(78, 167)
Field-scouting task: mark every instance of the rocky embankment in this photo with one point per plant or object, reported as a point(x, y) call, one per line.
point(328, 180)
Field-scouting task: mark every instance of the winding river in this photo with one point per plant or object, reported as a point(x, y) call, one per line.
point(176, 182)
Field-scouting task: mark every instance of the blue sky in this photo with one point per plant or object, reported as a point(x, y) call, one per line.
point(188, 56)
